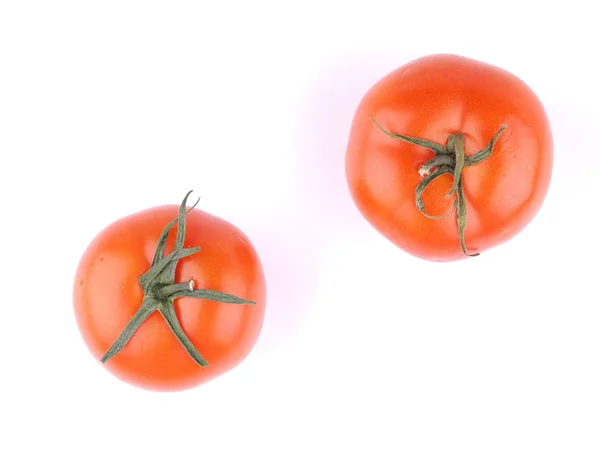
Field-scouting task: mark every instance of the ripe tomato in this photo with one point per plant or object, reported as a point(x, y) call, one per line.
point(152, 331)
point(457, 107)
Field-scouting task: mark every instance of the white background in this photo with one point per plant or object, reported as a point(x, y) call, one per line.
point(110, 107)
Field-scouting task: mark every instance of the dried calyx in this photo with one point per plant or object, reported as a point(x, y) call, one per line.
point(160, 290)
point(448, 159)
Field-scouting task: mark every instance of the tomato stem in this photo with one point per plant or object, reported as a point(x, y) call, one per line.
point(449, 159)
point(160, 290)
point(170, 289)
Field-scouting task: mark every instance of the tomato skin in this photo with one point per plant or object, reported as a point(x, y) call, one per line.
point(107, 293)
point(431, 98)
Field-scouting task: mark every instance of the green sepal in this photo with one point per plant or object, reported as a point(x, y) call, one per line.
point(160, 290)
point(449, 159)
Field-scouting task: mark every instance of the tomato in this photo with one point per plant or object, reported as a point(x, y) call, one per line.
point(448, 157)
point(161, 313)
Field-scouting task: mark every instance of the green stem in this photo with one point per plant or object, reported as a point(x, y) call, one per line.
point(160, 290)
point(449, 159)
point(441, 160)
point(170, 289)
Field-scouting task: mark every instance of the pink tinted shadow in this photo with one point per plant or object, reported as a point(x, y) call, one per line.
point(323, 133)
point(288, 253)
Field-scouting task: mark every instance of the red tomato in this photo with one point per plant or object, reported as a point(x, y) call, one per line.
point(457, 107)
point(179, 338)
